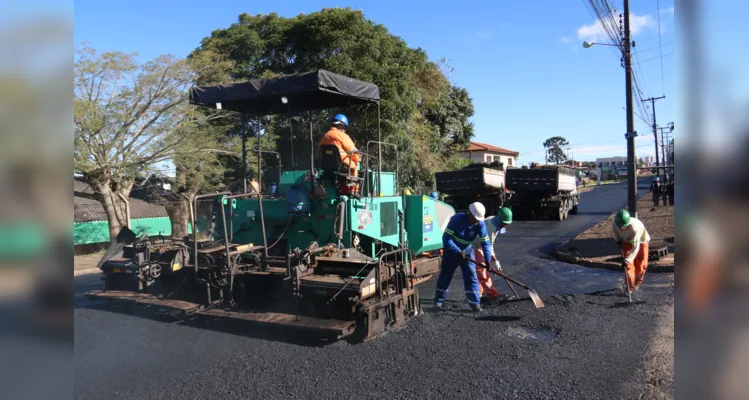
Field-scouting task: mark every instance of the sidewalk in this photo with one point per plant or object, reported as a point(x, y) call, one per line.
point(596, 248)
point(83, 265)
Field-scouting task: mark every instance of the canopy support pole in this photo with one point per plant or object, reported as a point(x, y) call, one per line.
point(245, 126)
point(379, 153)
point(260, 190)
point(311, 155)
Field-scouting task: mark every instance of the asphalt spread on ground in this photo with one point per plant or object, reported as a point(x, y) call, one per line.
point(588, 342)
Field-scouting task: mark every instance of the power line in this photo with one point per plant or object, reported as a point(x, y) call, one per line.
point(655, 47)
point(660, 50)
point(641, 117)
point(654, 58)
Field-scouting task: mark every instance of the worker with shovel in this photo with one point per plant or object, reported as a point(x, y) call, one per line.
point(495, 226)
point(460, 232)
point(634, 240)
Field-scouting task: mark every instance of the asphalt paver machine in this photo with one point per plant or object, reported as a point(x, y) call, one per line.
point(310, 255)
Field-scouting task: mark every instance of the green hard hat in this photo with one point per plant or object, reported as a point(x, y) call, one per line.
point(505, 215)
point(622, 219)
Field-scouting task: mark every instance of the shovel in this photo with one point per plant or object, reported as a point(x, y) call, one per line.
point(532, 293)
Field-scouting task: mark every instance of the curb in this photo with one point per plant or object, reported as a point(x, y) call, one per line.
point(86, 271)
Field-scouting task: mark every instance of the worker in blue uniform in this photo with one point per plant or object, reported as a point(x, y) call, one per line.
point(456, 243)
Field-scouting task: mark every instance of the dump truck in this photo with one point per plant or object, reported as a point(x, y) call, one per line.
point(543, 191)
point(483, 182)
point(337, 255)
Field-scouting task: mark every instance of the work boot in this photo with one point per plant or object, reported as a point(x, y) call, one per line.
point(439, 306)
point(476, 307)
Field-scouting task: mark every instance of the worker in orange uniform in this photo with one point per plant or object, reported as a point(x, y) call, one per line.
point(634, 240)
point(338, 137)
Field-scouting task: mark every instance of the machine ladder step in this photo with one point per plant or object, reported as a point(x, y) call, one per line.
point(142, 299)
point(337, 327)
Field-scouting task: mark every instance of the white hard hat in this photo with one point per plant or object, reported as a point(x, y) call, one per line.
point(477, 210)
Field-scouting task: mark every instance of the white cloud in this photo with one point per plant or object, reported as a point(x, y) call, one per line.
point(485, 33)
point(595, 32)
point(667, 11)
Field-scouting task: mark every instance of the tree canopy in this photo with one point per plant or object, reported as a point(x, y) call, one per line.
point(421, 110)
point(554, 149)
point(129, 117)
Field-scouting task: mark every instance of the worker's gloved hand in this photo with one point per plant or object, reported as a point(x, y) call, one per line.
point(496, 267)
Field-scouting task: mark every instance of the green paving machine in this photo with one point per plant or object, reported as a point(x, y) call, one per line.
point(321, 250)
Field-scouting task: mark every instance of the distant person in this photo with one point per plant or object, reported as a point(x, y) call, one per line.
point(634, 241)
point(434, 195)
point(664, 192)
point(655, 189)
point(670, 192)
point(254, 188)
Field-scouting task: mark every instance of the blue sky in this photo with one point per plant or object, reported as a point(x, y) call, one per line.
point(522, 63)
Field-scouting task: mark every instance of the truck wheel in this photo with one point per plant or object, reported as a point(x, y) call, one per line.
point(557, 214)
point(573, 211)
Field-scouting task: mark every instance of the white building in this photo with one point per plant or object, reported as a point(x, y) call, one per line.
point(609, 166)
point(611, 162)
point(486, 153)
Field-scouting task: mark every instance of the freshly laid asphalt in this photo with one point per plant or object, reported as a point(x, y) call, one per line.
point(586, 343)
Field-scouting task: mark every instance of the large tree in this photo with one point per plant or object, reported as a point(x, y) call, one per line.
point(554, 151)
point(421, 111)
point(129, 117)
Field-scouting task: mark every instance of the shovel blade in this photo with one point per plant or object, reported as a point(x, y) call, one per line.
point(536, 299)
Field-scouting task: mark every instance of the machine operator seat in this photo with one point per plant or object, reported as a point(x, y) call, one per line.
point(333, 170)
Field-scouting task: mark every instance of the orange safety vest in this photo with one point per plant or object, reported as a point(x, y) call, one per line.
point(345, 146)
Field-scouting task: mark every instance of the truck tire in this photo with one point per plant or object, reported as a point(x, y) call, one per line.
point(575, 201)
point(557, 213)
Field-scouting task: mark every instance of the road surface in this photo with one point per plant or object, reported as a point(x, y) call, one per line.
point(580, 346)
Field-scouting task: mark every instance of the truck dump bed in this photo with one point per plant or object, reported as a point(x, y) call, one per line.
point(470, 180)
point(550, 179)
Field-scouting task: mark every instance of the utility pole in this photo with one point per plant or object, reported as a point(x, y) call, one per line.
point(631, 134)
point(666, 143)
point(663, 146)
point(655, 132)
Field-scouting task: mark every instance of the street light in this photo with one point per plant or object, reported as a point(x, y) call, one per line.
point(626, 48)
point(587, 44)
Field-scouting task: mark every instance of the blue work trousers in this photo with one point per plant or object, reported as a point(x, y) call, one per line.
point(450, 262)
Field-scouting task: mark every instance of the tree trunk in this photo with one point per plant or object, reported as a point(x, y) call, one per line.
point(189, 182)
point(179, 215)
point(110, 207)
point(108, 192)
